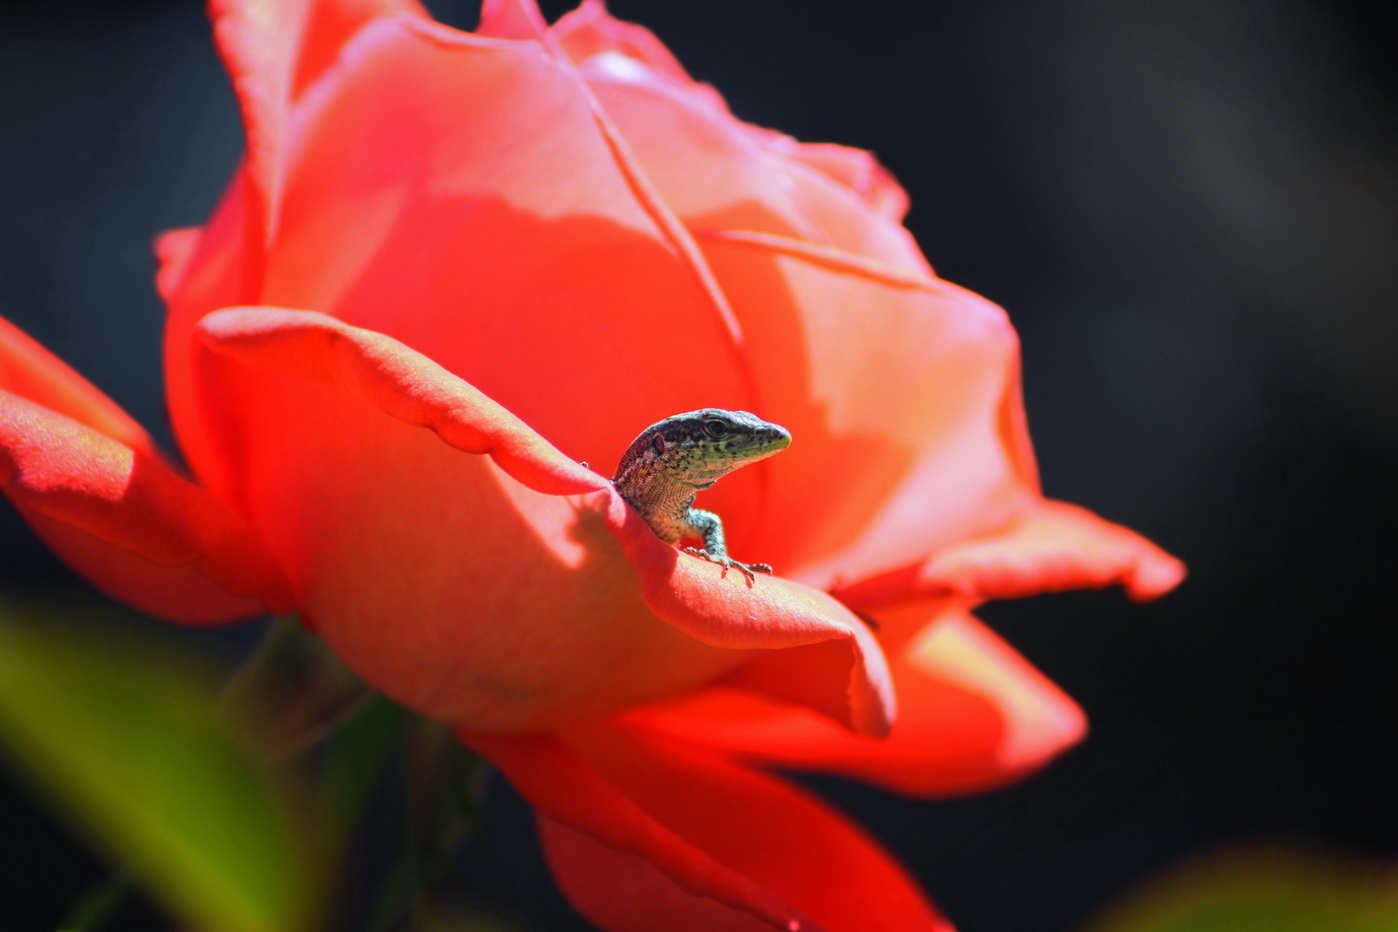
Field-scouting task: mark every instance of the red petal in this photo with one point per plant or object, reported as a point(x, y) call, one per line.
point(973, 715)
point(1051, 548)
point(410, 555)
point(646, 833)
point(124, 520)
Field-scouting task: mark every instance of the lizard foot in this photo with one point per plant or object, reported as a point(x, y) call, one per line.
point(747, 569)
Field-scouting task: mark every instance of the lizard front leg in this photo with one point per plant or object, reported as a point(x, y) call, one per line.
point(709, 527)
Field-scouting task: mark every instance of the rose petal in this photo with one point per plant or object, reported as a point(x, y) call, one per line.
point(716, 172)
point(128, 523)
point(973, 715)
point(704, 167)
point(1052, 547)
point(274, 49)
point(640, 830)
point(399, 381)
point(590, 31)
point(821, 655)
point(512, 19)
point(30, 371)
point(918, 445)
point(417, 233)
point(578, 639)
point(856, 170)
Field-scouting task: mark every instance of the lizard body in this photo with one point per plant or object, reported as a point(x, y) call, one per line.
point(673, 460)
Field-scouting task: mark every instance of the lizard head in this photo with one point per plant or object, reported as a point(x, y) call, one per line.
point(699, 447)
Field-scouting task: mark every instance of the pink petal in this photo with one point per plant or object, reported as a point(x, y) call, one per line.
point(644, 832)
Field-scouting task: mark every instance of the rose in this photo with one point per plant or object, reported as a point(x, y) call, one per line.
point(534, 242)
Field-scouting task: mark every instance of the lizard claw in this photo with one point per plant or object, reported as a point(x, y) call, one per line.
point(747, 569)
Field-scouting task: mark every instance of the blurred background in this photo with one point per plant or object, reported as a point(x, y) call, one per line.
point(1190, 211)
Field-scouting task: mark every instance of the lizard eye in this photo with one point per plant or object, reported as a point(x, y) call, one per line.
point(715, 430)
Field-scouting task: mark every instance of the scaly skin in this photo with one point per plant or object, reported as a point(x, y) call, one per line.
point(674, 460)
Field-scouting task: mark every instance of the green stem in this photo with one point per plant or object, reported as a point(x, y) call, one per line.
point(96, 906)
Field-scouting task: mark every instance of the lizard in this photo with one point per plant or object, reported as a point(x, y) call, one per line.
point(675, 459)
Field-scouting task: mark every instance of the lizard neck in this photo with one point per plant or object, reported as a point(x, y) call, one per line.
point(664, 502)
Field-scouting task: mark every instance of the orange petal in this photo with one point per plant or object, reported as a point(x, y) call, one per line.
point(1052, 547)
point(973, 715)
point(410, 556)
point(644, 832)
point(128, 523)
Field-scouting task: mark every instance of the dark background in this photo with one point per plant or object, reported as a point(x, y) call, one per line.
point(1190, 211)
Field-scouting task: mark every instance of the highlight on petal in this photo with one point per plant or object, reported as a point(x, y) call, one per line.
point(127, 522)
point(973, 715)
point(590, 31)
point(645, 832)
point(1052, 547)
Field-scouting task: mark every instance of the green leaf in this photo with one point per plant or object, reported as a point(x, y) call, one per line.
point(1276, 889)
point(120, 733)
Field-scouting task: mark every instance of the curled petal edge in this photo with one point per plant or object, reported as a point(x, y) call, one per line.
point(840, 671)
point(399, 381)
point(1052, 547)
